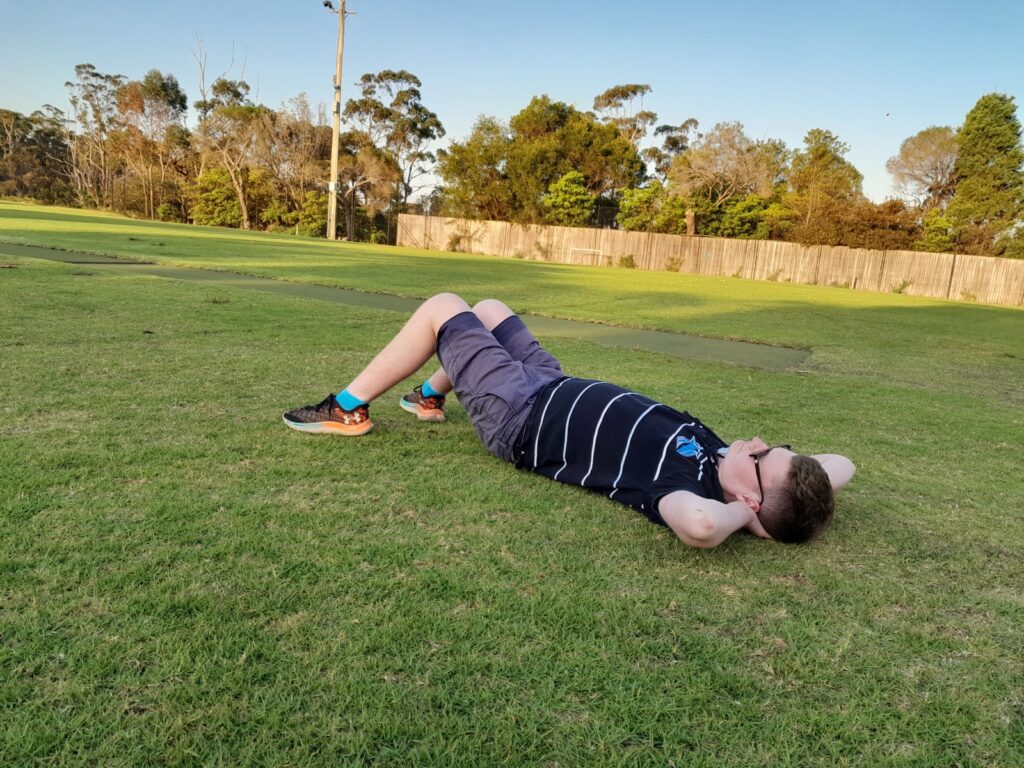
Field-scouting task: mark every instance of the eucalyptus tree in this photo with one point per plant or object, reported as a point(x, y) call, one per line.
point(93, 97)
point(391, 115)
point(150, 122)
point(623, 107)
point(675, 139)
point(34, 155)
point(228, 135)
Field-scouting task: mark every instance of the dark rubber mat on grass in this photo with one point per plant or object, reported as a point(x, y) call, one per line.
point(664, 342)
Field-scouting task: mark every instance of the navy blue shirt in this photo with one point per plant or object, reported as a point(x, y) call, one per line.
point(619, 443)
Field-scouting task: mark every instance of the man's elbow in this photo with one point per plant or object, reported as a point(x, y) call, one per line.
point(698, 529)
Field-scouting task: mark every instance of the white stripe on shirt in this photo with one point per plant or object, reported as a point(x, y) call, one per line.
point(629, 440)
point(664, 451)
point(565, 445)
point(593, 445)
point(536, 443)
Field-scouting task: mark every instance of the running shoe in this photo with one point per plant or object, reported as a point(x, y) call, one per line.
point(425, 408)
point(329, 417)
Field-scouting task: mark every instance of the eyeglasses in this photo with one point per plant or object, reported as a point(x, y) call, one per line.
point(757, 456)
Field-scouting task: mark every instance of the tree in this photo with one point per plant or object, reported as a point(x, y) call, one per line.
point(293, 145)
point(924, 169)
point(726, 163)
point(228, 135)
point(989, 198)
point(937, 233)
point(213, 201)
point(475, 185)
point(313, 216)
point(93, 98)
point(675, 139)
point(743, 217)
point(882, 227)
point(652, 208)
point(391, 113)
point(822, 183)
point(148, 112)
point(568, 202)
point(504, 173)
point(729, 180)
point(622, 106)
point(34, 155)
point(367, 176)
point(549, 139)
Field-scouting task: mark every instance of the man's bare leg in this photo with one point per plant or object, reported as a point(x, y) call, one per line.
point(491, 313)
point(409, 350)
point(406, 353)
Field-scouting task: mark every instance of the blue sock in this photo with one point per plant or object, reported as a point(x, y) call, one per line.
point(428, 391)
point(348, 401)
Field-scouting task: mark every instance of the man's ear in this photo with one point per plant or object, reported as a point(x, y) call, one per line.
point(750, 500)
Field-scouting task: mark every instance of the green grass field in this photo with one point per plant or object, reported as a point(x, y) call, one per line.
point(183, 581)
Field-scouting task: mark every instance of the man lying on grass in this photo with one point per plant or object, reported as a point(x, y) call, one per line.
point(665, 464)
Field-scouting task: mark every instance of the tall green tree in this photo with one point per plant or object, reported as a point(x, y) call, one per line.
point(505, 173)
point(150, 117)
point(228, 136)
point(34, 155)
point(988, 206)
point(390, 111)
point(675, 139)
point(623, 107)
point(473, 172)
point(549, 139)
point(93, 96)
point(568, 202)
point(823, 183)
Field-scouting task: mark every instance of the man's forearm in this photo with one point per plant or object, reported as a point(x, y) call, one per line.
point(839, 468)
point(703, 523)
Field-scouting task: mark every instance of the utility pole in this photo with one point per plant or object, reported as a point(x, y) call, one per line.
point(332, 210)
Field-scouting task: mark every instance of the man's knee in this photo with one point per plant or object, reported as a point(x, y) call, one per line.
point(492, 312)
point(442, 307)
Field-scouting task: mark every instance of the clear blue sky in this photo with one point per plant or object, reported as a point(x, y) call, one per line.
point(872, 72)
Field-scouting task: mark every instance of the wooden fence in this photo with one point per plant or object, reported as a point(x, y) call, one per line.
point(936, 275)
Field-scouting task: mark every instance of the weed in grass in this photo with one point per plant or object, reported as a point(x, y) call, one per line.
point(544, 250)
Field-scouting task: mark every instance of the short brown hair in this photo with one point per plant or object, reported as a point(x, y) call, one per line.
point(800, 508)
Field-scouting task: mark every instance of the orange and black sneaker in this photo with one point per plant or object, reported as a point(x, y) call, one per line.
point(425, 408)
point(329, 417)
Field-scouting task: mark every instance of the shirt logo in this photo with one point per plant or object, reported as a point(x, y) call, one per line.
point(689, 447)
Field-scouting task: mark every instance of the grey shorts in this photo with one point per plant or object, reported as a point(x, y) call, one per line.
point(496, 374)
